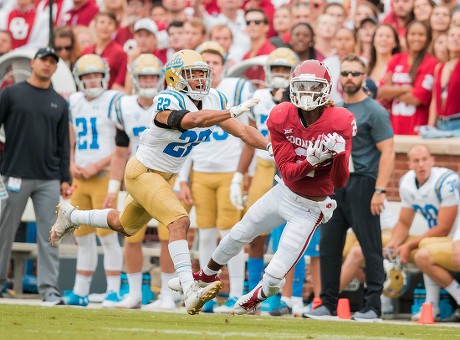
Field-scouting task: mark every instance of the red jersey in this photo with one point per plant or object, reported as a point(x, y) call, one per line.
point(451, 103)
point(290, 139)
point(82, 16)
point(117, 60)
point(257, 72)
point(406, 118)
point(20, 24)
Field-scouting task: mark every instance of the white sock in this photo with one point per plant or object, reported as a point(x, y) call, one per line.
point(287, 300)
point(82, 284)
point(236, 270)
point(454, 290)
point(95, 218)
point(180, 255)
point(209, 272)
point(207, 244)
point(165, 290)
point(135, 284)
point(432, 293)
point(297, 300)
point(87, 252)
point(113, 256)
point(113, 283)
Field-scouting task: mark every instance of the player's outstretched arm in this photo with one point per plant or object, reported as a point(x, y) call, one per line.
point(248, 134)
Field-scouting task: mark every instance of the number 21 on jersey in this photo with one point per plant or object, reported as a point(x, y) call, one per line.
point(87, 133)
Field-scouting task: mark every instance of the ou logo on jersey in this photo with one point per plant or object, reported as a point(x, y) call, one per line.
point(19, 28)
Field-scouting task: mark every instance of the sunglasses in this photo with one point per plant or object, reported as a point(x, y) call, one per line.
point(353, 73)
point(61, 48)
point(257, 22)
point(307, 4)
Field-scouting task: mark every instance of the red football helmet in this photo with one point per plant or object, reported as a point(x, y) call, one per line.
point(310, 85)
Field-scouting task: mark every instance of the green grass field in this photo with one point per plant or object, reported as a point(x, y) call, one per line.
point(31, 322)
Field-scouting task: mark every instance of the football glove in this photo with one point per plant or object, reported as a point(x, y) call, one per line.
point(316, 153)
point(236, 197)
point(246, 106)
point(335, 143)
point(269, 149)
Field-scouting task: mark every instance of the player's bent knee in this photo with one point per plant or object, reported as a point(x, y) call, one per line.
point(179, 228)
point(243, 233)
point(423, 257)
point(356, 253)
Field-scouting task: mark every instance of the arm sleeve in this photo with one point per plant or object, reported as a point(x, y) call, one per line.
point(121, 138)
point(63, 149)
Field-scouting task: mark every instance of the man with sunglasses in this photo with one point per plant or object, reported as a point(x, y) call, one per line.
point(361, 201)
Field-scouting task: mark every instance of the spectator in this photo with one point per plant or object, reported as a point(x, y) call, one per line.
point(364, 37)
point(84, 36)
point(159, 15)
point(105, 25)
point(453, 5)
point(61, 7)
point(134, 11)
point(91, 109)
point(422, 10)
point(439, 21)
point(5, 8)
point(325, 30)
point(409, 81)
point(372, 161)
point(117, 8)
point(175, 10)
point(303, 41)
point(440, 51)
point(194, 33)
point(281, 23)
point(385, 44)
point(433, 192)
point(316, 8)
point(455, 19)
point(222, 34)
point(5, 42)
point(344, 43)
point(257, 28)
point(301, 13)
point(66, 45)
point(267, 7)
point(364, 9)
point(35, 164)
point(445, 102)
point(176, 38)
point(82, 13)
point(337, 11)
point(401, 15)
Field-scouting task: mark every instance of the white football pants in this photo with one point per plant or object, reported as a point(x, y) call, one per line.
point(277, 206)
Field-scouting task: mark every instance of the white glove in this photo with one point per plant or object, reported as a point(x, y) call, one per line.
point(269, 149)
point(236, 197)
point(316, 153)
point(335, 143)
point(246, 106)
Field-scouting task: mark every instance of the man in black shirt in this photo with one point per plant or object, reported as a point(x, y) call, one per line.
point(35, 164)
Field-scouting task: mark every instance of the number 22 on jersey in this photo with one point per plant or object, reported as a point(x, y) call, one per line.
point(190, 139)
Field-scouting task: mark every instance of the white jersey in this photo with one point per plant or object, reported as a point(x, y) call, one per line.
point(440, 190)
point(221, 151)
point(165, 149)
point(261, 113)
point(94, 126)
point(132, 118)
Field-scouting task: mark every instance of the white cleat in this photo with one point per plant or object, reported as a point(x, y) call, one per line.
point(62, 224)
point(162, 304)
point(130, 302)
point(196, 297)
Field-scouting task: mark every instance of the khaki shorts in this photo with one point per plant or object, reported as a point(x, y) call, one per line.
point(262, 180)
point(150, 195)
point(90, 194)
point(441, 248)
point(211, 195)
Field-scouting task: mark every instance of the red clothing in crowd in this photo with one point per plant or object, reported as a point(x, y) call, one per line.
point(392, 20)
point(257, 72)
point(20, 24)
point(81, 16)
point(406, 118)
point(452, 100)
point(116, 59)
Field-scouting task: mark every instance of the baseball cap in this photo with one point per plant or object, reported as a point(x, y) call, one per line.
point(45, 51)
point(146, 24)
point(373, 20)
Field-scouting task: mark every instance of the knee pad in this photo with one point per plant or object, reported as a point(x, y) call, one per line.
point(227, 249)
point(244, 233)
point(87, 252)
point(113, 256)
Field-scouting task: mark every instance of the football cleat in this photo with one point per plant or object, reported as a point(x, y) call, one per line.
point(73, 299)
point(196, 297)
point(62, 224)
point(227, 307)
point(248, 303)
point(130, 302)
point(110, 300)
point(201, 278)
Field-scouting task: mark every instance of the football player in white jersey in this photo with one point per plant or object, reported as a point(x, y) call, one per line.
point(183, 117)
point(434, 193)
point(214, 163)
point(92, 136)
point(278, 69)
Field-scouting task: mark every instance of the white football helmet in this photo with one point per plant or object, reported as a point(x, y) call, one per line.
point(88, 64)
point(147, 64)
point(280, 57)
point(310, 85)
point(178, 71)
point(396, 279)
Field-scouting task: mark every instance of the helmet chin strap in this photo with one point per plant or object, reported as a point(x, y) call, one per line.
point(307, 103)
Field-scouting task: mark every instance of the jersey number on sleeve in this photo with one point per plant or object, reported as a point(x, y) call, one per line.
point(163, 104)
point(84, 136)
point(190, 139)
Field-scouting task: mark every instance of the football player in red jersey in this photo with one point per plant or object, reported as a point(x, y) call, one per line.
point(311, 140)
